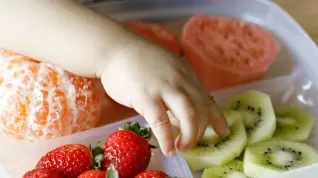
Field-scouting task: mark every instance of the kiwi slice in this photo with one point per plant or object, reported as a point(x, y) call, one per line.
point(293, 123)
point(258, 114)
point(233, 169)
point(213, 150)
point(275, 156)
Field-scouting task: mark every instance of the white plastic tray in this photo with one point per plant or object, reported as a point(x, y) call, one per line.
point(291, 79)
point(174, 166)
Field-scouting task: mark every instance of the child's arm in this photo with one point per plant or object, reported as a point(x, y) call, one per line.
point(62, 32)
point(134, 72)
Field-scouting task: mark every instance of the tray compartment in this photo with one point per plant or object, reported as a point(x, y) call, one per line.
point(291, 79)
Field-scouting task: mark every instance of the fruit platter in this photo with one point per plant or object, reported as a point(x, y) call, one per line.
point(255, 59)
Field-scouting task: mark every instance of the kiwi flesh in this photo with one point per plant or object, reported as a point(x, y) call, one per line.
point(275, 156)
point(293, 123)
point(233, 169)
point(258, 114)
point(212, 150)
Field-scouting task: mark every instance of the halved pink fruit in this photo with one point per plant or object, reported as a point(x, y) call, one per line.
point(157, 34)
point(225, 51)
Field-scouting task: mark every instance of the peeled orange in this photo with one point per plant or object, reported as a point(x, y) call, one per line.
point(41, 101)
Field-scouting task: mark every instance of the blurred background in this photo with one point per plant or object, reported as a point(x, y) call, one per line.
point(305, 12)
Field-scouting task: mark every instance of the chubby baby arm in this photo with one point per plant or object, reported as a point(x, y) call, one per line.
point(134, 71)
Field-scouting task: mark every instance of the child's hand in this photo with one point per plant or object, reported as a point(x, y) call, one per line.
point(141, 76)
point(153, 81)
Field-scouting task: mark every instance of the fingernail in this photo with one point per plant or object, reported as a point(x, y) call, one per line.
point(227, 131)
point(185, 146)
point(181, 146)
point(172, 152)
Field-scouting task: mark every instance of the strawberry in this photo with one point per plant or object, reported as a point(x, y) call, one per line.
point(93, 174)
point(152, 174)
point(42, 173)
point(110, 173)
point(128, 150)
point(70, 160)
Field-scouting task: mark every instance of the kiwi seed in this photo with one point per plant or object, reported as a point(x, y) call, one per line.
point(216, 145)
point(201, 144)
point(297, 155)
point(209, 149)
point(252, 109)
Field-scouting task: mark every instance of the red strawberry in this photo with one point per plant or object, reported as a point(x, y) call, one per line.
point(128, 150)
point(152, 174)
point(93, 174)
point(70, 160)
point(110, 173)
point(42, 173)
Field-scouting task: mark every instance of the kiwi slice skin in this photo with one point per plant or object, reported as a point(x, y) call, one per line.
point(233, 169)
point(258, 114)
point(217, 151)
point(275, 156)
point(293, 123)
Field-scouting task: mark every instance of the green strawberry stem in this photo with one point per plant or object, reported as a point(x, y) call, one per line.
point(98, 156)
point(134, 126)
point(112, 172)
